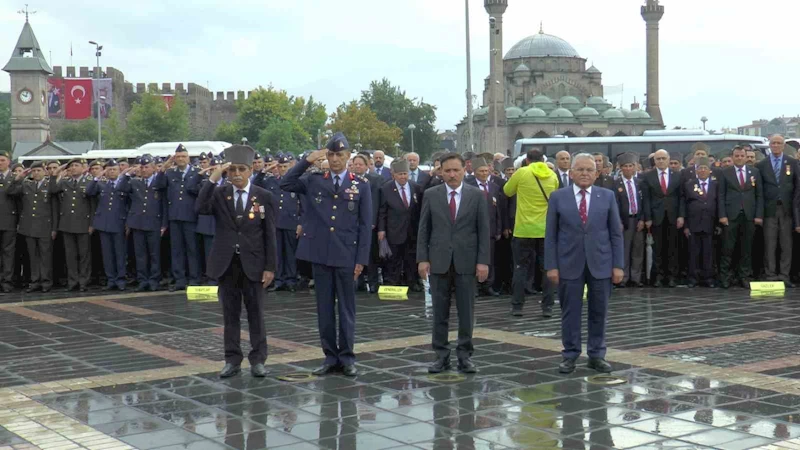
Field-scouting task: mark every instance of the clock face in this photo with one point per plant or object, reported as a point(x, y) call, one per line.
point(25, 96)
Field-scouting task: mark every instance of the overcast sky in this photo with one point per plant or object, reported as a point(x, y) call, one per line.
point(729, 63)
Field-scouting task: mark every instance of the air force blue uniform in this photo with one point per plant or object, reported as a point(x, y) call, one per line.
point(109, 220)
point(336, 236)
point(287, 215)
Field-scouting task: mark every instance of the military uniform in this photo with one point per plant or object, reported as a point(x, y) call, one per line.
point(336, 237)
point(109, 221)
point(98, 273)
point(37, 224)
point(287, 216)
point(205, 223)
point(74, 221)
point(8, 229)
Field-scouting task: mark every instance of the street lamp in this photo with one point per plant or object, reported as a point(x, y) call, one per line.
point(704, 119)
point(396, 150)
point(412, 127)
point(97, 71)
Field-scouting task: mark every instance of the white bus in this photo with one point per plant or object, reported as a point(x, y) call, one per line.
point(671, 141)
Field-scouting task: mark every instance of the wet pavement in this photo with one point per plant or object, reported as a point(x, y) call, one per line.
point(698, 369)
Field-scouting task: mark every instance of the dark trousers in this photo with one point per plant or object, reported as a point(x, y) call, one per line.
point(208, 241)
point(634, 252)
point(504, 265)
point(442, 284)
point(8, 244)
point(701, 267)
point(98, 274)
point(114, 257)
point(77, 251)
point(148, 257)
point(738, 233)
point(183, 246)
point(665, 249)
point(287, 263)
point(778, 234)
point(374, 261)
point(526, 252)
point(40, 251)
point(570, 294)
point(332, 284)
point(492, 269)
point(235, 288)
point(400, 269)
point(59, 270)
point(22, 262)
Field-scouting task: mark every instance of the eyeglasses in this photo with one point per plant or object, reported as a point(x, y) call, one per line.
point(238, 169)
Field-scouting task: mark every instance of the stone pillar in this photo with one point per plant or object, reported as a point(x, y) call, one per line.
point(496, 118)
point(652, 13)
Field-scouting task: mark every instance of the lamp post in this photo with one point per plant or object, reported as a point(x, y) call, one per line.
point(396, 150)
point(470, 142)
point(412, 127)
point(704, 119)
point(97, 54)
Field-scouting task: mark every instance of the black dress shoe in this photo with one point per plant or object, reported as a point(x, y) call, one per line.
point(7, 288)
point(712, 285)
point(71, 288)
point(32, 289)
point(229, 370)
point(466, 366)
point(490, 292)
point(439, 366)
point(745, 284)
point(619, 286)
point(373, 288)
point(350, 370)
point(258, 370)
point(291, 288)
point(174, 288)
point(516, 312)
point(46, 290)
point(600, 365)
point(657, 284)
point(325, 369)
point(108, 288)
point(547, 312)
point(691, 284)
point(567, 366)
point(671, 283)
point(415, 288)
point(789, 284)
point(724, 285)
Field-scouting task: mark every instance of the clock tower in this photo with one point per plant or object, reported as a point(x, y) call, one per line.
point(29, 71)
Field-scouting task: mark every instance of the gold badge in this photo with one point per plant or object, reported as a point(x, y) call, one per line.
point(788, 170)
point(251, 215)
point(620, 190)
point(753, 181)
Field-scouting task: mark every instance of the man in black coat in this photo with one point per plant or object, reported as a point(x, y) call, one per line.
point(741, 208)
point(398, 220)
point(360, 166)
point(629, 199)
point(662, 191)
point(699, 209)
point(602, 180)
point(415, 174)
point(496, 204)
point(244, 254)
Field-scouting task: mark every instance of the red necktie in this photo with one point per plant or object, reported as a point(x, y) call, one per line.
point(582, 208)
point(453, 206)
point(632, 196)
point(741, 178)
point(704, 187)
point(664, 183)
point(485, 190)
point(405, 199)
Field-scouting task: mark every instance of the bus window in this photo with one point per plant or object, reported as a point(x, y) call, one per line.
point(684, 148)
point(551, 150)
point(588, 148)
point(720, 146)
point(641, 148)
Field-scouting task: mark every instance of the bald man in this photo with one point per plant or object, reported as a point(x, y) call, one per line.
point(563, 161)
point(379, 157)
point(778, 175)
point(661, 189)
point(416, 175)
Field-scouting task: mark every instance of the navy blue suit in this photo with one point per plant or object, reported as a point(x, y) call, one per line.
point(583, 255)
point(146, 217)
point(287, 217)
point(336, 237)
point(385, 172)
point(181, 195)
point(109, 220)
point(205, 224)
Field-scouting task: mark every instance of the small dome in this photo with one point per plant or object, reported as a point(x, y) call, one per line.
point(535, 112)
point(568, 100)
point(625, 111)
point(587, 111)
point(638, 114)
point(513, 111)
point(481, 111)
point(541, 100)
point(522, 68)
point(596, 101)
point(561, 113)
point(593, 69)
point(613, 114)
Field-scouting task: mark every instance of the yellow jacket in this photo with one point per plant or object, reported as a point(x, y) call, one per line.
point(531, 204)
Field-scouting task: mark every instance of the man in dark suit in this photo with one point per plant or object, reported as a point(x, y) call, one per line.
point(398, 219)
point(379, 157)
point(496, 202)
point(602, 180)
point(360, 166)
point(336, 239)
point(244, 256)
point(8, 224)
point(415, 174)
point(699, 150)
point(584, 247)
point(563, 161)
point(777, 172)
point(629, 201)
point(453, 250)
point(109, 221)
point(75, 223)
point(699, 208)
point(661, 189)
point(741, 208)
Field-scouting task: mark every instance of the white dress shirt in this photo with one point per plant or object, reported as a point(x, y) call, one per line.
point(244, 195)
point(666, 177)
point(577, 192)
point(406, 188)
point(458, 195)
point(562, 175)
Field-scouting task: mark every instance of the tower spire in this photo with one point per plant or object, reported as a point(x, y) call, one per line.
point(26, 12)
point(652, 12)
point(541, 28)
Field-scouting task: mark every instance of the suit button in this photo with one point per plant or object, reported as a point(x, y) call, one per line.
point(280, 207)
point(334, 207)
point(72, 212)
point(180, 198)
point(332, 229)
point(333, 217)
point(335, 196)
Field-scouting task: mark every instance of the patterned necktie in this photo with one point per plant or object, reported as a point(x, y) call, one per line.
point(741, 178)
point(632, 196)
point(776, 167)
point(240, 203)
point(336, 183)
point(564, 181)
point(485, 190)
point(582, 208)
point(453, 206)
point(405, 199)
point(664, 182)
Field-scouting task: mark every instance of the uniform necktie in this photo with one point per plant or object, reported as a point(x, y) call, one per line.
point(703, 184)
point(632, 196)
point(582, 207)
point(741, 178)
point(776, 167)
point(336, 183)
point(664, 182)
point(240, 203)
point(453, 206)
point(485, 190)
point(564, 180)
point(405, 199)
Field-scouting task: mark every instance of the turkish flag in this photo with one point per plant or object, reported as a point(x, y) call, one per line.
point(168, 99)
point(77, 98)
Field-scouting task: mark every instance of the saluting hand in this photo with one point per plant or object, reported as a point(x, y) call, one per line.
point(267, 278)
point(217, 174)
point(317, 155)
point(269, 167)
point(23, 174)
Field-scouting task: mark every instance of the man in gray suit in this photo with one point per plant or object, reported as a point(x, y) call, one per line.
point(583, 246)
point(453, 249)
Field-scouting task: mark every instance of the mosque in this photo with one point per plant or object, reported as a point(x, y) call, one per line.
point(542, 88)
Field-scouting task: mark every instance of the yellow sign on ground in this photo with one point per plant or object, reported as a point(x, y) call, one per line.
point(767, 286)
point(201, 293)
point(393, 292)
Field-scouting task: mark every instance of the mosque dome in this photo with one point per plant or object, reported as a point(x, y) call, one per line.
point(481, 111)
point(541, 45)
point(587, 111)
point(513, 111)
point(535, 112)
point(561, 113)
point(597, 101)
point(638, 114)
point(541, 100)
point(613, 114)
point(569, 100)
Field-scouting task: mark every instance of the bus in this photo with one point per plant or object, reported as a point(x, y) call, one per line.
point(652, 140)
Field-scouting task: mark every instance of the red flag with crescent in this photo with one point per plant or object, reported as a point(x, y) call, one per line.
point(168, 100)
point(77, 98)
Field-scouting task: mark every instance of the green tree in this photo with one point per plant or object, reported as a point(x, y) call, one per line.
point(284, 135)
point(391, 105)
point(314, 118)
point(5, 126)
point(361, 125)
point(114, 135)
point(150, 121)
point(82, 130)
point(229, 132)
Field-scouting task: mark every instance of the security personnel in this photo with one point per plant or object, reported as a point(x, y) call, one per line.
point(147, 220)
point(8, 224)
point(37, 224)
point(75, 223)
point(181, 196)
point(244, 254)
point(109, 220)
point(336, 239)
point(288, 228)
